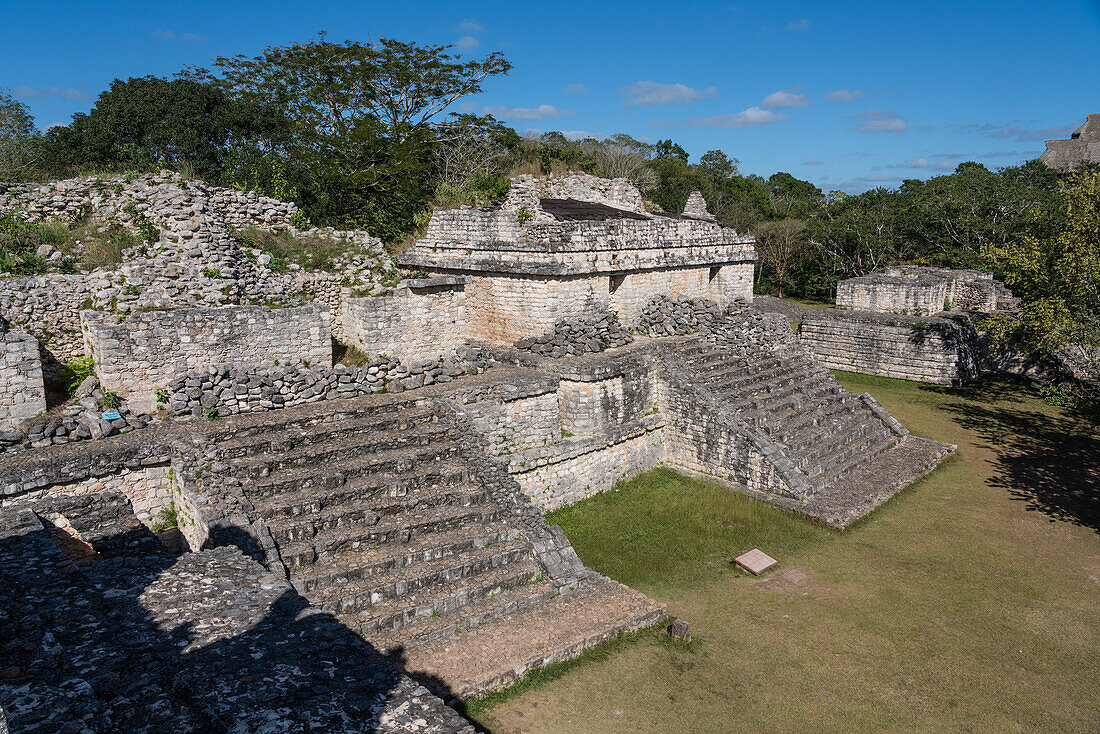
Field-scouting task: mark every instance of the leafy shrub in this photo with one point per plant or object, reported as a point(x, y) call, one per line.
point(76, 372)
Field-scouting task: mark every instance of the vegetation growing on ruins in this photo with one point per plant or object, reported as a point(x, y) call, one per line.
point(884, 627)
point(363, 136)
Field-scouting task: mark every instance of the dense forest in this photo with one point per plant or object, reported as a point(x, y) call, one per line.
point(363, 136)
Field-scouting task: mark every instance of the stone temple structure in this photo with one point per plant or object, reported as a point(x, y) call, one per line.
point(350, 547)
point(538, 257)
point(1083, 146)
point(909, 322)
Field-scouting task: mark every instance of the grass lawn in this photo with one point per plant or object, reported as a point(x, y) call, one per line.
point(971, 602)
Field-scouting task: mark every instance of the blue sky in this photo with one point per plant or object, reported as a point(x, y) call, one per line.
point(849, 95)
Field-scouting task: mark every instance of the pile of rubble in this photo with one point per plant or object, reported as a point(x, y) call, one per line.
point(678, 316)
point(593, 331)
point(230, 389)
point(92, 414)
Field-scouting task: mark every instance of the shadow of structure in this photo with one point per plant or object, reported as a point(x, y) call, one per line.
point(1052, 463)
point(201, 642)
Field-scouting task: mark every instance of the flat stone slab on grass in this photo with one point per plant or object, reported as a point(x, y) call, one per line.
point(755, 561)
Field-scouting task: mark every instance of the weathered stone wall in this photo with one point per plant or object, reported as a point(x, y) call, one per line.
point(582, 467)
point(195, 259)
point(503, 308)
point(632, 291)
point(940, 350)
point(22, 394)
point(901, 295)
point(148, 349)
point(422, 319)
point(148, 489)
point(589, 404)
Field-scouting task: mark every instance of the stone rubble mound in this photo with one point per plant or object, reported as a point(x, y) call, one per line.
point(678, 316)
point(592, 331)
point(232, 389)
point(80, 420)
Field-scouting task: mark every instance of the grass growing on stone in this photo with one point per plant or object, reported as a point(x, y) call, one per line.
point(308, 252)
point(967, 603)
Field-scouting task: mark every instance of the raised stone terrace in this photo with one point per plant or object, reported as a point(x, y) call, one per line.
point(908, 322)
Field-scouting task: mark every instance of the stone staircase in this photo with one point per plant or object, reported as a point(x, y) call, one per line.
point(389, 517)
point(826, 431)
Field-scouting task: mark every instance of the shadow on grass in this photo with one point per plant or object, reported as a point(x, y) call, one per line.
point(985, 390)
point(1050, 462)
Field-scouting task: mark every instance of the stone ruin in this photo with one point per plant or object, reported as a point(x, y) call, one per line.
point(1083, 146)
point(908, 322)
point(355, 546)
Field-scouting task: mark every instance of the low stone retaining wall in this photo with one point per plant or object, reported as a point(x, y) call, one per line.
point(22, 394)
point(943, 350)
point(423, 319)
point(146, 351)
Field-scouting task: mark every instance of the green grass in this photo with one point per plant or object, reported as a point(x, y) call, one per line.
point(664, 530)
point(966, 603)
point(309, 253)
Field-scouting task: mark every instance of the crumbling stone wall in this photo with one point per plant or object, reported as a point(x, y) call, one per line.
point(502, 308)
point(632, 291)
point(148, 349)
point(422, 319)
point(22, 393)
point(940, 350)
point(924, 291)
point(195, 259)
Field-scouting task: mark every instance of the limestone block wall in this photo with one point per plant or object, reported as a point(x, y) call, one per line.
point(502, 308)
point(147, 488)
point(22, 393)
point(588, 406)
point(422, 319)
point(943, 351)
point(148, 349)
point(892, 295)
point(632, 291)
point(584, 467)
point(47, 306)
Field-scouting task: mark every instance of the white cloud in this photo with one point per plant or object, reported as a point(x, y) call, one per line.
point(798, 25)
point(541, 112)
point(880, 121)
point(467, 43)
point(784, 100)
point(170, 36)
point(469, 25)
point(940, 165)
point(576, 88)
point(752, 117)
point(655, 93)
point(844, 95)
point(32, 93)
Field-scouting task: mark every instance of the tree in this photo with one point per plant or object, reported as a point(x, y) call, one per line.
point(148, 122)
point(1056, 278)
point(365, 119)
point(781, 245)
point(16, 137)
point(717, 166)
point(792, 197)
point(667, 150)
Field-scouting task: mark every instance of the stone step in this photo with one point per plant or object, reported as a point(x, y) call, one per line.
point(838, 451)
point(312, 455)
point(297, 551)
point(453, 608)
point(283, 441)
point(404, 462)
point(360, 512)
point(875, 447)
point(771, 404)
point(735, 381)
point(391, 494)
point(400, 584)
point(833, 427)
point(490, 655)
point(352, 567)
point(832, 411)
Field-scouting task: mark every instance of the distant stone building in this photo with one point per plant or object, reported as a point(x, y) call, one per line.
point(907, 322)
point(1082, 147)
point(561, 246)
